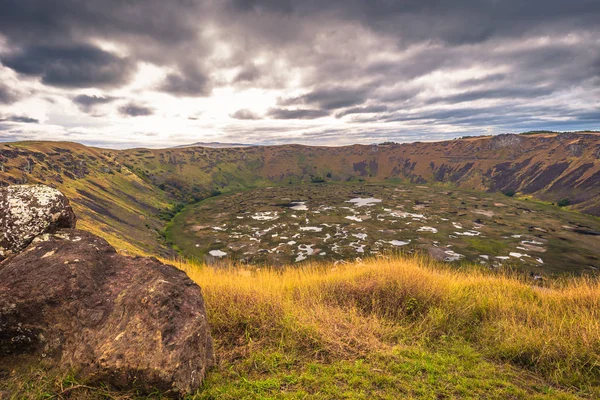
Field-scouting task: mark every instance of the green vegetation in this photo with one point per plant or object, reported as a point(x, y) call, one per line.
point(563, 203)
point(168, 214)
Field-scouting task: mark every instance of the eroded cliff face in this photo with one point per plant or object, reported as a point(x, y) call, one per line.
point(70, 299)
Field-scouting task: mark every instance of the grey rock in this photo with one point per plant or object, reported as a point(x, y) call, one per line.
point(505, 140)
point(575, 150)
point(27, 211)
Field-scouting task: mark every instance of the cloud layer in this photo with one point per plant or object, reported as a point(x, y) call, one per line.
point(305, 71)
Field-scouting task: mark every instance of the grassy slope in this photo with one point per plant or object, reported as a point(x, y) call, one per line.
point(108, 199)
point(386, 328)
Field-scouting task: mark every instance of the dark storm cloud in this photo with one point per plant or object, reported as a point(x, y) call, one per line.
point(244, 114)
point(135, 110)
point(74, 66)
point(283, 113)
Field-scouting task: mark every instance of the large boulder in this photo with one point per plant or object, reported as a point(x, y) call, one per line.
point(27, 211)
point(69, 297)
point(71, 300)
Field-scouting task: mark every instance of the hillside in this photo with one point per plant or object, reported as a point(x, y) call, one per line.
point(132, 193)
point(548, 166)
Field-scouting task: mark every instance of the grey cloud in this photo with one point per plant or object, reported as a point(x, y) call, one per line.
point(59, 33)
point(192, 84)
point(244, 114)
point(362, 110)
point(508, 93)
point(135, 110)
point(74, 66)
point(248, 74)
point(282, 113)
point(505, 117)
point(330, 98)
point(465, 21)
point(21, 119)
point(376, 60)
point(88, 103)
point(493, 78)
point(7, 95)
point(31, 21)
point(85, 100)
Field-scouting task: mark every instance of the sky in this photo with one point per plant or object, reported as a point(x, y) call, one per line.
point(160, 73)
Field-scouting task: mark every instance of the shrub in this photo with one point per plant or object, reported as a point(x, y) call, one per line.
point(563, 202)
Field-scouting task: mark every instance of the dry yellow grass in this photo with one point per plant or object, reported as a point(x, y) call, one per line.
point(345, 312)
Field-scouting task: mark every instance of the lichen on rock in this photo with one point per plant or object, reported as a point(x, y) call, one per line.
point(27, 211)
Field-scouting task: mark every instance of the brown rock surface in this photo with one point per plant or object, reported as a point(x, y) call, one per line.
point(71, 299)
point(27, 211)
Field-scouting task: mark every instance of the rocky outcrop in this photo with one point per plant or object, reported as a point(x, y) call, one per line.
point(505, 140)
point(27, 211)
point(70, 299)
point(575, 150)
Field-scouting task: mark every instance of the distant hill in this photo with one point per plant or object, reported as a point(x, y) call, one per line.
point(217, 145)
point(127, 196)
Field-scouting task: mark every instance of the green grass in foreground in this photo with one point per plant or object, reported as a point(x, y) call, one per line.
point(454, 371)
